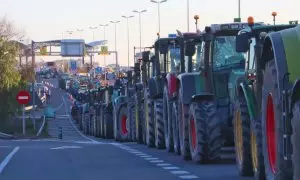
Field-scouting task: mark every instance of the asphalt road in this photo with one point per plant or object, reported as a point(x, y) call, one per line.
point(100, 159)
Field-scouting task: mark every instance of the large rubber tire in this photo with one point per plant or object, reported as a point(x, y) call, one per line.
point(102, 120)
point(295, 141)
point(159, 125)
point(98, 116)
point(205, 132)
point(167, 119)
point(122, 123)
point(175, 128)
point(183, 116)
point(138, 117)
point(242, 131)
point(131, 114)
point(149, 120)
point(272, 127)
point(108, 122)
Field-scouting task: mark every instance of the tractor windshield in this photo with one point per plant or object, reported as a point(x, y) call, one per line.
point(224, 54)
point(174, 57)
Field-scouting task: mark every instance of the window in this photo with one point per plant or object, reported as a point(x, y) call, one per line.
point(251, 55)
point(197, 57)
point(174, 58)
point(202, 56)
point(224, 54)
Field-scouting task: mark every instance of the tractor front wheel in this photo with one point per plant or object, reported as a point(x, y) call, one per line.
point(295, 141)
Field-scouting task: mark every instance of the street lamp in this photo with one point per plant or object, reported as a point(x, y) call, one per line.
point(140, 25)
point(128, 17)
point(80, 31)
point(274, 14)
point(104, 55)
point(93, 28)
point(158, 11)
point(188, 16)
point(115, 23)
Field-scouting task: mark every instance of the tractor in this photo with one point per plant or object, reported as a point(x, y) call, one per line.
point(203, 110)
point(159, 66)
point(267, 104)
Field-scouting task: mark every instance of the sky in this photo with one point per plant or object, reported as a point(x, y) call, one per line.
point(49, 19)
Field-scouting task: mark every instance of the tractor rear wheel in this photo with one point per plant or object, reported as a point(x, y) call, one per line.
point(275, 165)
point(183, 116)
point(205, 132)
point(149, 120)
point(242, 128)
point(138, 118)
point(175, 129)
point(167, 120)
point(108, 122)
point(121, 123)
point(159, 125)
point(295, 141)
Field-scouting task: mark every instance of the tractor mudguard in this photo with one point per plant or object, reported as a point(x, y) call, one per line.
point(250, 99)
point(191, 84)
point(171, 83)
point(295, 93)
point(156, 87)
point(285, 45)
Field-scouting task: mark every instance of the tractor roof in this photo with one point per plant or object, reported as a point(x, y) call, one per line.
point(267, 28)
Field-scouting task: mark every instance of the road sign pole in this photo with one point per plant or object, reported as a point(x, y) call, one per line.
point(23, 119)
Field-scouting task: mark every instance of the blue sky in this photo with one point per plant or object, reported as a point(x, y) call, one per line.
point(45, 19)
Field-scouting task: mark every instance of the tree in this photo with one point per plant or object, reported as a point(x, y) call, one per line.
point(10, 78)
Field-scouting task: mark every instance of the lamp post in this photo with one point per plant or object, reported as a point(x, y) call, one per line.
point(104, 55)
point(158, 11)
point(117, 63)
point(80, 31)
point(140, 25)
point(188, 15)
point(127, 18)
point(93, 28)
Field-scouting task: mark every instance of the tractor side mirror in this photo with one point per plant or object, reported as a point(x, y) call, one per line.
point(190, 48)
point(145, 56)
point(242, 43)
point(163, 47)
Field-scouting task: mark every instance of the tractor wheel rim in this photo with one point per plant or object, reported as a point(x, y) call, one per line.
point(238, 136)
point(254, 154)
point(193, 133)
point(271, 137)
point(124, 125)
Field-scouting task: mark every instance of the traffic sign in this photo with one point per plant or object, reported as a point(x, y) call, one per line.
point(23, 97)
point(104, 50)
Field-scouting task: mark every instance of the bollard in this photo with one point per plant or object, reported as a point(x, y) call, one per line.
point(60, 135)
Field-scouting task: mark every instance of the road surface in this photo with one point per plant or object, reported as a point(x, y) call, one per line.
point(88, 158)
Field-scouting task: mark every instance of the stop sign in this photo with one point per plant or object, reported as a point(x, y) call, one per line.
point(23, 97)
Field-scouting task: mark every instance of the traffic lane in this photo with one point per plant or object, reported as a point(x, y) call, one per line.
point(5, 150)
point(225, 169)
point(94, 162)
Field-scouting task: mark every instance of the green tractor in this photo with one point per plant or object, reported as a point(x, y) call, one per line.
point(203, 110)
point(268, 103)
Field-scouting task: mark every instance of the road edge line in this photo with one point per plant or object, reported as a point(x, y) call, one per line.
point(4, 163)
point(70, 120)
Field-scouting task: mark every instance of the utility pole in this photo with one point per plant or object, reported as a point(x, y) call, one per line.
point(140, 26)
point(127, 18)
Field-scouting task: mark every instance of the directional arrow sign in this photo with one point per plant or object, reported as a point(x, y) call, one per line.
point(67, 147)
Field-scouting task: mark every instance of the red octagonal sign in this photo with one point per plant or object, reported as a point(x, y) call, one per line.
point(23, 97)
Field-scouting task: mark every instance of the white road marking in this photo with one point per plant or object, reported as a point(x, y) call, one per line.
point(157, 161)
point(141, 154)
point(67, 147)
point(74, 124)
point(189, 177)
point(164, 164)
point(8, 158)
point(5, 146)
point(134, 152)
point(170, 168)
point(21, 140)
point(146, 156)
point(151, 158)
point(179, 172)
